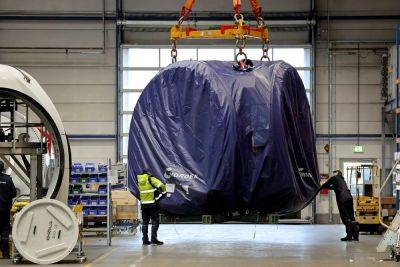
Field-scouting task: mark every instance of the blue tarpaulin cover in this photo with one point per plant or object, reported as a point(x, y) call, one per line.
point(234, 140)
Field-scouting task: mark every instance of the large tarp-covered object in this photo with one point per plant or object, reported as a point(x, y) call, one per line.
point(234, 140)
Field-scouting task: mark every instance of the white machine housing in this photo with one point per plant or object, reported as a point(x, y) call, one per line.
point(21, 85)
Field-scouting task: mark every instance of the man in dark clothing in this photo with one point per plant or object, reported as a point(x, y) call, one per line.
point(344, 201)
point(7, 193)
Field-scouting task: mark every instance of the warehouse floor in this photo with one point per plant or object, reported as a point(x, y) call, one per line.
point(238, 245)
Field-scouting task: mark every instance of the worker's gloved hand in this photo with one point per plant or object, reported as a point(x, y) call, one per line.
point(168, 173)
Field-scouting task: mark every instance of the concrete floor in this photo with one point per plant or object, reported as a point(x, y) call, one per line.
point(238, 245)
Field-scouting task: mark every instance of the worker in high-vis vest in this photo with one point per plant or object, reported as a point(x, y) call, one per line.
point(151, 191)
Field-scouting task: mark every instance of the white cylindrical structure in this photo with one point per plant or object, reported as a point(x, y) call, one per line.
point(17, 84)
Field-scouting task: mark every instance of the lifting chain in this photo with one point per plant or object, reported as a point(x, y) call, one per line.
point(174, 52)
point(240, 44)
point(265, 49)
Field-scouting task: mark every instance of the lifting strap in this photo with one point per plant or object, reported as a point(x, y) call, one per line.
point(237, 6)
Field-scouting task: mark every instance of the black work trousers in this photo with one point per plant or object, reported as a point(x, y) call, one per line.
point(150, 211)
point(346, 211)
point(5, 229)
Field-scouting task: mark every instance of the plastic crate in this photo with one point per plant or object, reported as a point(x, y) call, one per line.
point(84, 178)
point(76, 189)
point(85, 211)
point(102, 167)
point(102, 211)
point(74, 180)
point(70, 201)
point(102, 200)
point(94, 201)
point(77, 167)
point(85, 200)
point(103, 178)
point(90, 167)
point(102, 189)
point(93, 211)
point(93, 178)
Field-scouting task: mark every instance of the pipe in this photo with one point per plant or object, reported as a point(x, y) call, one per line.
point(330, 111)
point(170, 23)
point(358, 93)
point(118, 33)
point(206, 15)
point(314, 86)
point(74, 137)
point(104, 26)
point(66, 50)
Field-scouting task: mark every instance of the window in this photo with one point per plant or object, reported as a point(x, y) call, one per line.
point(359, 177)
point(141, 64)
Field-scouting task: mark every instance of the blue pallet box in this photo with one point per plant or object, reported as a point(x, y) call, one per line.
point(94, 200)
point(102, 189)
point(93, 211)
point(102, 211)
point(93, 178)
point(85, 200)
point(77, 167)
point(102, 167)
point(102, 200)
point(90, 167)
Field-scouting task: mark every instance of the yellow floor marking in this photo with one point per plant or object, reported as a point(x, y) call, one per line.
point(102, 257)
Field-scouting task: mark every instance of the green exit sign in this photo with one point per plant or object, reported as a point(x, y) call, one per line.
point(358, 149)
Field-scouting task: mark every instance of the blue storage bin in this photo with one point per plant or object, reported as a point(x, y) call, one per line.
point(76, 200)
point(85, 211)
point(94, 201)
point(103, 178)
point(92, 211)
point(93, 178)
point(85, 200)
point(77, 167)
point(102, 200)
point(102, 211)
point(102, 189)
point(70, 201)
point(90, 167)
point(74, 179)
point(102, 167)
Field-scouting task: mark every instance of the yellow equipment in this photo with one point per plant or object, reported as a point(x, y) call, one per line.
point(366, 199)
point(239, 31)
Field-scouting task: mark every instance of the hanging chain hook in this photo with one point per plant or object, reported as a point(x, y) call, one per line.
point(265, 49)
point(238, 17)
point(240, 44)
point(174, 51)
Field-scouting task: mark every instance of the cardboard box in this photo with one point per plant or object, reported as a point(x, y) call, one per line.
point(388, 201)
point(125, 212)
point(392, 212)
point(122, 197)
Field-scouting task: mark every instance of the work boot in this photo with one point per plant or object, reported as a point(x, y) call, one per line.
point(157, 242)
point(346, 239)
point(146, 242)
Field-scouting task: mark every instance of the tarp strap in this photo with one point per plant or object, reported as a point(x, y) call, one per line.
point(237, 6)
point(186, 9)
